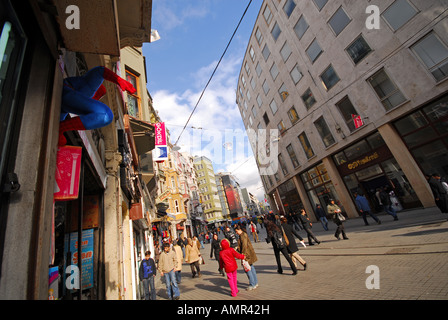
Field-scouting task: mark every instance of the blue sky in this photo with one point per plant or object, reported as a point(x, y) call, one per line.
point(194, 34)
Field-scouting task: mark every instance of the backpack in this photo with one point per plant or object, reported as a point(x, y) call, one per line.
point(278, 239)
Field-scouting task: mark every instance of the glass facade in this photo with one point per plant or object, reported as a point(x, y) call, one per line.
point(368, 165)
point(425, 133)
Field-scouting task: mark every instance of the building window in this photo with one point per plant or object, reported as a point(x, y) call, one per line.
point(296, 74)
point(283, 92)
point(254, 112)
point(324, 132)
point(133, 99)
point(339, 21)
point(293, 116)
point(248, 95)
point(273, 106)
point(320, 3)
point(265, 87)
point(285, 52)
point(275, 32)
point(434, 54)
point(306, 145)
point(308, 98)
point(258, 69)
point(243, 81)
point(259, 101)
point(267, 15)
point(358, 49)
point(314, 50)
point(329, 78)
point(292, 156)
point(348, 112)
point(274, 71)
point(253, 83)
point(266, 118)
point(301, 27)
point(386, 90)
point(400, 12)
point(252, 53)
point(250, 121)
point(282, 164)
point(288, 8)
point(266, 53)
point(246, 66)
point(281, 127)
point(259, 36)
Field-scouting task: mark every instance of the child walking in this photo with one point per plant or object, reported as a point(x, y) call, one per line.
point(227, 262)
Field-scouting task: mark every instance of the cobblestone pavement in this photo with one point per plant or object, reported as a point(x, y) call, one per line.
point(411, 255)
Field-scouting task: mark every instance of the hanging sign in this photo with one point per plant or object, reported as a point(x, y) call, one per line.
point(68, 169)
point(160, 152)
point(357, 121)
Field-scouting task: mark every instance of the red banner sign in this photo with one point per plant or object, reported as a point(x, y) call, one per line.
point(68, 169)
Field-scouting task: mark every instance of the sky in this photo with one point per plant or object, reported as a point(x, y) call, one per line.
point(193, 37)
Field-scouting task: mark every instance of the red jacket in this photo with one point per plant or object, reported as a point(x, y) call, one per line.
point(227, 257)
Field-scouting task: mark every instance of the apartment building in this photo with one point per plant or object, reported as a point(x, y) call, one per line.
point(358, 93)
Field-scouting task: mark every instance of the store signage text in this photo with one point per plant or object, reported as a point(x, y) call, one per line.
point(363, 161)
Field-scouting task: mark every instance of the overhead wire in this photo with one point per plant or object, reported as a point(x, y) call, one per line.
point(213, 73)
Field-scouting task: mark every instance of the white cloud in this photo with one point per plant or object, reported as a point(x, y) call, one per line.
point(219, 117)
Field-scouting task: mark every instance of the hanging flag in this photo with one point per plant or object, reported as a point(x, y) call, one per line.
point(357, 121)
point(68, 169)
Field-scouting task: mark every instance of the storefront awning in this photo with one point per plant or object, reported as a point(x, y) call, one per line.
point(143, 133)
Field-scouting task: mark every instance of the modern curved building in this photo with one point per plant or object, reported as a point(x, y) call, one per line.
point(359, 93)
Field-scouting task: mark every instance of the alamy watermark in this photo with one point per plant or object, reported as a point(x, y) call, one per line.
point(373, 280)
point(373, 20)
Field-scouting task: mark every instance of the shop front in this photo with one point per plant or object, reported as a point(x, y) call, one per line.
point(78, 227)
point(290, 197)
point(319, 187)
point(368, 166)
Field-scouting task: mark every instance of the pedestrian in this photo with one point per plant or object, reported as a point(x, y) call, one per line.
point(364, 208)
point(336, 213)
point(157, 252)
point(246, 248)
point(307, 226)
point(215, 249)
point(231, 236)
point(147, 273)
point(439, 192)
point(167, 263)
point(201, 239)
point(320, 213)
point(178, 268)
point(290, 232)
point(279, 244)
point(254, 231)
point(227, 262)
point(192, 256)
point(387, 203)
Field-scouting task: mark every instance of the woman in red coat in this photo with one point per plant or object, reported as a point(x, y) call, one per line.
point(227, 262)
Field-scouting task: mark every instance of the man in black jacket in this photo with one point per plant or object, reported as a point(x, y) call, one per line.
point(147, 273)
point(231, 236)
point(306, 224)
point(440, 194)
point(290, 232)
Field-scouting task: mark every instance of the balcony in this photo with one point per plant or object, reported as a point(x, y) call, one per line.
point(105, 26)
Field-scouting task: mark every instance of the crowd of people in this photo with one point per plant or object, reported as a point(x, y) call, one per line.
point(281, 232)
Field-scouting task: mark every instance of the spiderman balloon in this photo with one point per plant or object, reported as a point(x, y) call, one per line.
point(80, 96)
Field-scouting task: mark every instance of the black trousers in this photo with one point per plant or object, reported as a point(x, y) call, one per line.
point(284, 251)
point(340, 229)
